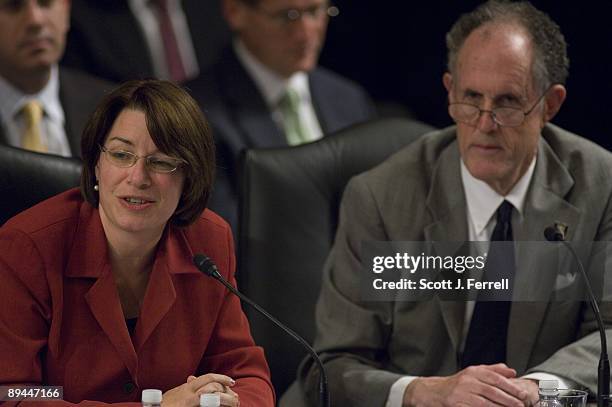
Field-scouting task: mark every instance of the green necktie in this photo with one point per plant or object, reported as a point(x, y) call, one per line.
point(294, 131)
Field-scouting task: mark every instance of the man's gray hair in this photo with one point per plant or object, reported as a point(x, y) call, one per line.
point(550, 64)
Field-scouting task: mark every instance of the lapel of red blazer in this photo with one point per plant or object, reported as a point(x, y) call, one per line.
point(89, 259)
point(173, 257)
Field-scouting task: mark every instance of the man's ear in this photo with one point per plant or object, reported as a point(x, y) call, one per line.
point(234, 12)
point(447, 79)
point(553, 100)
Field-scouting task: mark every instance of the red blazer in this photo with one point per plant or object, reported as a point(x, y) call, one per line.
point(61, 321)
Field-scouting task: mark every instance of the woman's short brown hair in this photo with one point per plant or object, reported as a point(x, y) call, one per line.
point(176, 125)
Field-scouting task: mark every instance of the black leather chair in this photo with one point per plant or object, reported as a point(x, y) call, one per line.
point(27, 178)
point(288, 217)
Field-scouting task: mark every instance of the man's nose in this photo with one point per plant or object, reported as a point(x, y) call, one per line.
point(486, 122)
point(34, 13)
point(306, 24)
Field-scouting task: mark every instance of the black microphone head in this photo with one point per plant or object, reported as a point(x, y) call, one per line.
point(556, 232)
point(551, 234)
point(205, 265)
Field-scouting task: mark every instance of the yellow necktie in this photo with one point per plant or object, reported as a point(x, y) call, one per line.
point(31, 138)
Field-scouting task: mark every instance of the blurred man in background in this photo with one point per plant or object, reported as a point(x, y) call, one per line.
point(267, 90)
point(42, 107)
point(131, 39)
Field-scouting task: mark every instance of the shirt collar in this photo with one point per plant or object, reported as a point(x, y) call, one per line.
point(13, 99)
point(271, 85)
point(483, 201)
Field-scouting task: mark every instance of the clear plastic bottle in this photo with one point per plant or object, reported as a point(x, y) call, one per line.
point(210, 400)
point(151, 398)
point(549, 393)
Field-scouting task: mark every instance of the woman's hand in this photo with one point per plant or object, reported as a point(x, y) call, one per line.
point(188, 394)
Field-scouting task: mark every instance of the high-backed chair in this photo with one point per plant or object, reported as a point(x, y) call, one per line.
point(288, 218)
point(27, 178)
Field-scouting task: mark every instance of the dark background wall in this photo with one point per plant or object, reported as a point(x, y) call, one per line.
point(396, 50)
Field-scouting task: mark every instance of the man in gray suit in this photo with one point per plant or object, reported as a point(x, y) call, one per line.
point(42, 107)
point(507, 66)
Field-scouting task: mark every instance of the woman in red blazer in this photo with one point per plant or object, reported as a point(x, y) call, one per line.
point(98, 292)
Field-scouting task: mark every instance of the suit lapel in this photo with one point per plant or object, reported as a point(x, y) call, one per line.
point(159, 298)
point(104, 304)
point(88, 260)
point(323, 104)
point(544, 205)
point(246, 105)
point(173, 258)
point(70, 114)
point(446, 203)
point(2, 134)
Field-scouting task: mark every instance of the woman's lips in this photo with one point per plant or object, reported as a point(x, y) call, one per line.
point(136, 203)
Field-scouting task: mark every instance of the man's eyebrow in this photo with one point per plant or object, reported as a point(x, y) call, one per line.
point(471, 92)
point(509, 96)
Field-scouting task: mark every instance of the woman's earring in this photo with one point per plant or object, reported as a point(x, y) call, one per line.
point(96, 187)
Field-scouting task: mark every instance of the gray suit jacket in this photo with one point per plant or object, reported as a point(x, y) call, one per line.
point(418, 195)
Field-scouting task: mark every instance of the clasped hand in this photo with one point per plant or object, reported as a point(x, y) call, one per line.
point(484, 385)
point(188, 394)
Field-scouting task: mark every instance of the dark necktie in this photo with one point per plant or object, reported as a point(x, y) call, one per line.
point(174, 62)
point(487, 337)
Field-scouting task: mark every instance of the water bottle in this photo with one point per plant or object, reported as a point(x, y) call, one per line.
point(549, 393)
point(151, 398)
point(210, 400)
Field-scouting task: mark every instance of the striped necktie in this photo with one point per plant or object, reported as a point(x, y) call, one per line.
point(31, 138)
point(176, 70)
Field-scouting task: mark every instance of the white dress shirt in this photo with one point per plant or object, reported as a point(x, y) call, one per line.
point(272, 87)
point(482, 203)
point(145, 13)
point(53, 133)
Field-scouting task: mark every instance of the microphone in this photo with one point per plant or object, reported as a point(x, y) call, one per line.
point(557, 233)
point(208, 267)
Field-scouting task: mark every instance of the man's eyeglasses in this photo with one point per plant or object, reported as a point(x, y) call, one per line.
point(126, 159)
point(503, 116)
point(16, 6)
point(288, 16)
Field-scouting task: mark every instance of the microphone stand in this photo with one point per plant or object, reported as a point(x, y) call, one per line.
point(206, 266)
point(557, 234)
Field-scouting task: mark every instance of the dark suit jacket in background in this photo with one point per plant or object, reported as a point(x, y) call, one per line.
point(418, 195)
point(240, 117)
point(106, 40)
point(62, 324)
point(79, 94)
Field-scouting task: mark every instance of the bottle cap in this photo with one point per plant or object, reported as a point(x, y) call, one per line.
point(548, 384)
point(151, 396)
point(210, 400)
